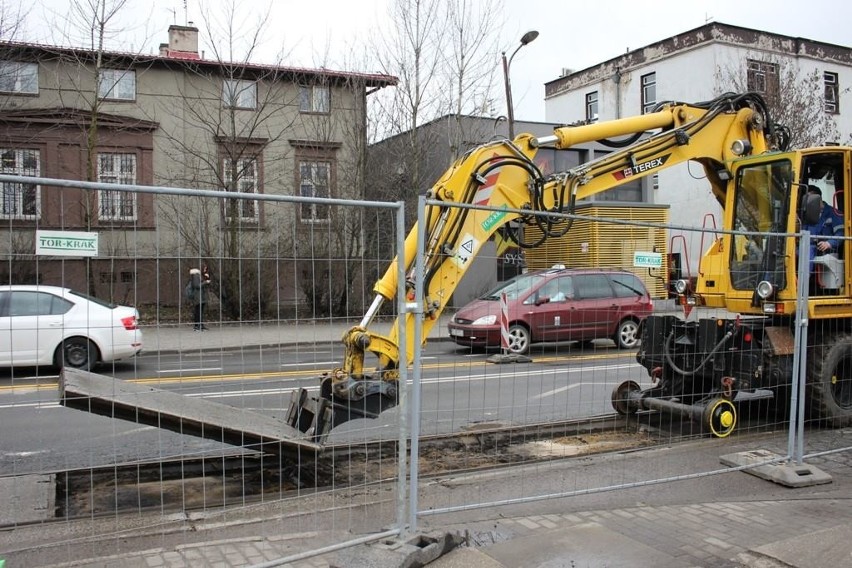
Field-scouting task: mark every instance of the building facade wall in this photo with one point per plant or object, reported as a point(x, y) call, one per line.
point(181, 133)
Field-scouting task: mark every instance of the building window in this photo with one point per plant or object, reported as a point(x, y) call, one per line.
point(314, 99)
point(239, 94)
point(314, 181)
point(832, 92)
point(117, 205)
point(117, 84)
point(20, 200)
point(592, 106)
point(762, 77)
point(649, 92)
point(241, 177)
point(18, 77)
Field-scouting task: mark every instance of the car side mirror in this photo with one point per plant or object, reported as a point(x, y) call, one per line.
point(542, 300)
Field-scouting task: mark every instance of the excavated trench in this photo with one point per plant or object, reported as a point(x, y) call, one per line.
point(222, 481)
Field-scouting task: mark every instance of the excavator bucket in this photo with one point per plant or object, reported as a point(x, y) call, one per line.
point(315, 416)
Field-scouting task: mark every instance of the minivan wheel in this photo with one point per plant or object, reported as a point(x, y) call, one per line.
point(519, 339)
point(627, 334)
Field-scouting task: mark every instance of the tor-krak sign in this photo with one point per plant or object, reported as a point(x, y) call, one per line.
point(66, 243)
point(647, 259)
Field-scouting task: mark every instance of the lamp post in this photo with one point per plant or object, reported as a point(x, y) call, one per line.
point(525, 39)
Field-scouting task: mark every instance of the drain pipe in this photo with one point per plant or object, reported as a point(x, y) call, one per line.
point(616, 78)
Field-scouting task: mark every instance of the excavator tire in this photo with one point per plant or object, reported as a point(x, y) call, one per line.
point(830, 380)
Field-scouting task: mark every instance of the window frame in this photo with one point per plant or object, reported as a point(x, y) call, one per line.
point(310, 102)
point(117, 200)
point(17, 189)
point(314, 216)
point(118, 80)
point(649, 99)
point(768, 74)
point(20, 79)
point(592, 106)
point(831, 81)
point(236, 91)
point(253, 182)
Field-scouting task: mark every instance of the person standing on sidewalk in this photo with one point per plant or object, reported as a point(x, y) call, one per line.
point(194, 291)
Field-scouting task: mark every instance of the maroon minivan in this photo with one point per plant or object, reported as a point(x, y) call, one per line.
point(557, 304)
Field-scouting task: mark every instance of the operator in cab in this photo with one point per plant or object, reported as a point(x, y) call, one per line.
point(823, 223)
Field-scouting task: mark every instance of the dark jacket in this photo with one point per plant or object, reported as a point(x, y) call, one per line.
point(194, 290)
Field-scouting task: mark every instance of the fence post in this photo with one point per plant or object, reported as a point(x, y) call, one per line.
point(800, 357)
point(416, 364)
point(504, 323)
point(403, 393)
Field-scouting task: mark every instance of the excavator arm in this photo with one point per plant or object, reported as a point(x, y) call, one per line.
point(502, 178)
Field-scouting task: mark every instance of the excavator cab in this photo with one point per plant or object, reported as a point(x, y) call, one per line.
point(699, 364)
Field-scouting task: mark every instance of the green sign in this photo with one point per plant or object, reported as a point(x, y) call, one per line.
point(66, 243)
point(493, 219)
point(647, 259)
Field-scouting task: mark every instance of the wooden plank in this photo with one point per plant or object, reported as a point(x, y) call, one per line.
point(141, 404)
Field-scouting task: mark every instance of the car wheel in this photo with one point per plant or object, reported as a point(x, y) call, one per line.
point(627, 334)
point(519, 339)
point(77, 352)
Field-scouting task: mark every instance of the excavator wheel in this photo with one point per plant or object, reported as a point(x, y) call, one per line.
point(621, 397)
point(830, 380)
point(720, 417)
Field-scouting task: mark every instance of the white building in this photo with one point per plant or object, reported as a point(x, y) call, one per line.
point(698, 65)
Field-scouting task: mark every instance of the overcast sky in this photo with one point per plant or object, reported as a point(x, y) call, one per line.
point(573, 34)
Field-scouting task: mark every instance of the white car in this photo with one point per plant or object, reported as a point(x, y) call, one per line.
point(49, 325)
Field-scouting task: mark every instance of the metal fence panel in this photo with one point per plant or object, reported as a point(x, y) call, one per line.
point(288, 277)
point(567, 400)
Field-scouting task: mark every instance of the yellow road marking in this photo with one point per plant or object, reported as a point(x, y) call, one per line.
point(296, 374)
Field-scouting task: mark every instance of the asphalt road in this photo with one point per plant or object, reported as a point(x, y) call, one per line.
point(459, 389)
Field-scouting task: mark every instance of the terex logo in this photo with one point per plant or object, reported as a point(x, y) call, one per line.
point(642, 167)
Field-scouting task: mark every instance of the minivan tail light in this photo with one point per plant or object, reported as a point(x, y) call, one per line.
point(130, 323)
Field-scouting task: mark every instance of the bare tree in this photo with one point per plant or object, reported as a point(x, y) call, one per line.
point(795, 100)
point(269, 126)
point(444, 53)
point(235, 110)
point(89, 76)
point(471, 64)
point(13, 17)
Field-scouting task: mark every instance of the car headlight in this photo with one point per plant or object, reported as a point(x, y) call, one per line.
point(681, 286)
point(485, 320)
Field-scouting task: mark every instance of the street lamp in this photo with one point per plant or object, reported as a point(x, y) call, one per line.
point(525, 39)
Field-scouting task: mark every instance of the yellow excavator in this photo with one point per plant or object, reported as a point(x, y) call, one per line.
point(697, 365)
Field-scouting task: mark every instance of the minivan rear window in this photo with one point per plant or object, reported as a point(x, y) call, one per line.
point(627, 285)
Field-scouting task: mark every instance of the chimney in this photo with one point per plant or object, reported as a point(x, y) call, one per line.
point(183, 42)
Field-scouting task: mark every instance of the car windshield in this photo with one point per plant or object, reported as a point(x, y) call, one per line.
point(515, 287)
point(94, 300)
